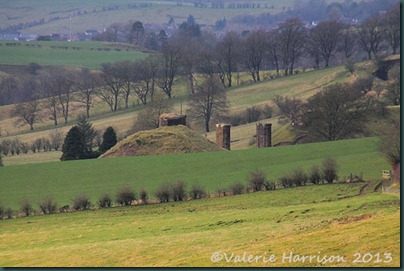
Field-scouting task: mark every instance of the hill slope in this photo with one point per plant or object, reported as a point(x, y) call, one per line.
point(164, 140)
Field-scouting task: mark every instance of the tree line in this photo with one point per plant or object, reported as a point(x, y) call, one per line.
point(191, 51)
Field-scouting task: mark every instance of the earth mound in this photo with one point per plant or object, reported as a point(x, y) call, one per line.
point(163, 140)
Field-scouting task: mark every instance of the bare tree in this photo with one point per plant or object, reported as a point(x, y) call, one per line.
point(255, 49)
point(313, 49)
point(51, 103)
point(292, 35)
point(8, 89)
point(209, 101)
point(126, 72)
point(370, 35)
point(207, 60)
point(114, 30)
point(326, 36)
point(113, 86)
point(290, 109)
point(391, 25)
point(63, 83)
point(228, 53)
point(87, 84)
point(274, 49)
point(27, 113)
point(348, 41)
point(170, 66)
point(56, 139)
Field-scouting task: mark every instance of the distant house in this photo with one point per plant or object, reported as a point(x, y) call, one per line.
point(91, 32)
point(28, 37)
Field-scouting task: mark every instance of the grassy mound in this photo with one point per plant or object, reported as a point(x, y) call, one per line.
point(164, 140)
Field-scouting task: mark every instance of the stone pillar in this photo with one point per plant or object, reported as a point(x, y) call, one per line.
point(223, 135)
point(264, 134)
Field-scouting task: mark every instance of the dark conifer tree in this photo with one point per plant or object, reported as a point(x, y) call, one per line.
point(108, 139)
point(73, 145)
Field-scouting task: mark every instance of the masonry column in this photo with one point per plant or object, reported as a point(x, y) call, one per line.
point(264, 135)
point(223, 135)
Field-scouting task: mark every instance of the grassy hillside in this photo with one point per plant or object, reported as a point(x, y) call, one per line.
point(94, 14)
point(81, 54)
point(65, 180)
point(318, 220)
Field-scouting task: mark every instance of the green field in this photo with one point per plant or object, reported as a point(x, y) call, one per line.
point(90, 54)
point(65, 180)
point(95, 14)
point(316, 220)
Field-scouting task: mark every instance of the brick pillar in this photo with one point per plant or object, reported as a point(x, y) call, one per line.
point(223, 135)
point(264, 134)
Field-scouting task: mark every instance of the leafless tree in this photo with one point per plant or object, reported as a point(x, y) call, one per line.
point(228, 53)
point(56, 139)
point(27, 113)
point(255, 46)
point(313, 49)
point(274, 49)
point(290, 109)
point(87, 84)
point(391, 25)
point(370, 35)
point(126, 72)
point(209, 101)
point(292, 35)
point(114, 30)
point(8, 88)
point(348, 41)
point(51, 103)
point(171, 60)
point(326, 36)
point(207, 60)
point(113, 85)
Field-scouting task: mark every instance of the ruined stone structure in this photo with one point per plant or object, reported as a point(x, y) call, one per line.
point(264, 135)
point(223, 135)
point(171, 119)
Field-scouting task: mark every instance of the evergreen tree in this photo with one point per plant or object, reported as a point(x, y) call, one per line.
point(73, 145)
point(108, 139)
point(87, 133)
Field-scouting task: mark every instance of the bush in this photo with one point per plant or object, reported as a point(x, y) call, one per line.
point(105, 201)
point(197, 192)
point(221, 192)
point(26, 207)
point(178, 191)
point(286, 181)
point(268, 185)
point(8, 213)
point(143, 196)
point(330, 169)
point(237, 188)
point(81, 202)
point(163, 193)
point(299, 178)
point(315, 175)
point(47, 205)
point(256, 180)
point(125, 196)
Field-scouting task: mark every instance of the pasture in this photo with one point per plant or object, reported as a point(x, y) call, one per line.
point(78, 54)
point(316, 220)
point(213, 170)
point(93, 14)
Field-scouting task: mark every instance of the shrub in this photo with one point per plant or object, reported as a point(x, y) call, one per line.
point(163, 193)
point(105, 201)
point(221, 192)
point(1, 161)
point(286, 181)
point(125, 196)
point(55, 139)
point(256, 180)
point(8, 213)
point(268, 185)
point(81, 202)
point(299, 178)
point(26, 207)
point(143, 196)
point(330, 169)
point(24, 148)
point(315, 175)
point(47, 205)
point(197, 192)
point(178, 191)
point(237, 188)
